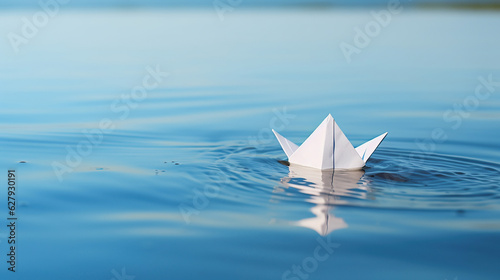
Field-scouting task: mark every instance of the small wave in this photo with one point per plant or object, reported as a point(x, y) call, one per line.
point(392, 178)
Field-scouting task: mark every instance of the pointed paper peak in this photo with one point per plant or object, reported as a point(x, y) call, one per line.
point(328, 120)
point(366, 150)
point(328, 148)
point(288, 146)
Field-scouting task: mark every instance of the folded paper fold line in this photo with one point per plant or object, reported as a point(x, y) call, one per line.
point(288, 146)
point(328, 148)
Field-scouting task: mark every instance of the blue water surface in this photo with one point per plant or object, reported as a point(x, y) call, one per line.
point(185, 181)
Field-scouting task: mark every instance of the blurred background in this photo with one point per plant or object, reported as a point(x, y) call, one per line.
point(279, 3)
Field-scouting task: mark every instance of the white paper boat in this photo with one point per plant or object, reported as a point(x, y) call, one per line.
point(328, 148)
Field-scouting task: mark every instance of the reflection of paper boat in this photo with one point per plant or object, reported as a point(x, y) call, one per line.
point(329, 148)
point(323, 186)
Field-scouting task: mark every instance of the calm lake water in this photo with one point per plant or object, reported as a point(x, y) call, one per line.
point(184, 182)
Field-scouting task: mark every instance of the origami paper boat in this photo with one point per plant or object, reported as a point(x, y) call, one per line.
point(328, 148)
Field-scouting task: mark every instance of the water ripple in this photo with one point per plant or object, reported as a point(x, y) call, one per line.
point(392, 178)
